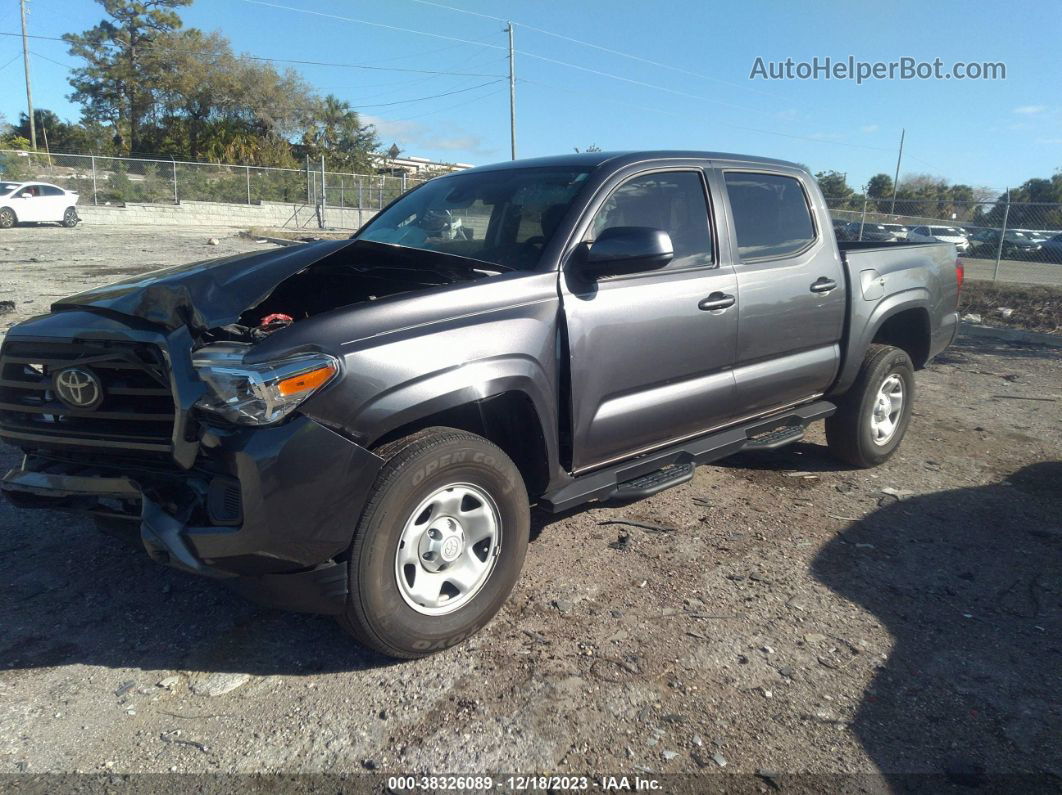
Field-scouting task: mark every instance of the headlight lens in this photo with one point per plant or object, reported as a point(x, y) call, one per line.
point(258, 394)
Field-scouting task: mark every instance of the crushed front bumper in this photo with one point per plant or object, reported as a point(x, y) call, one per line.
point(270, 510)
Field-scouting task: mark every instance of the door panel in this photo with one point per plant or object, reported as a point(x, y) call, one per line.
point(652, 352)
point(647, 364)
point(25, 209)
point(791, 291)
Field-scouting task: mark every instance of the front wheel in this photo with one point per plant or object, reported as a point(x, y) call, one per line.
point(7, 218)
point(872, 417)
point(439, 546)
point(70, 218)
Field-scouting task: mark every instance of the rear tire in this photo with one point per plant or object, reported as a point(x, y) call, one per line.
point(439, 546)
point(7, 218)
point(70, 218)
point(873, 415)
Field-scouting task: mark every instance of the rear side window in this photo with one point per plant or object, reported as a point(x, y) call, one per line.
point(670, 200)
point(49, 190)
point(771, 215)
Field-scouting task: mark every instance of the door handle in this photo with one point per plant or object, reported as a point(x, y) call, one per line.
point(823, 285)
point(716, 301)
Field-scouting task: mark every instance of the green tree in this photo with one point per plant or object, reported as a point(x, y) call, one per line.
point(879, 188)
point(116, 86)
point(197, 86)
point(835, 188)
point(336, 132)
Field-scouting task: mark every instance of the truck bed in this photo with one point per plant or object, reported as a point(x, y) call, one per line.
point(887, 275)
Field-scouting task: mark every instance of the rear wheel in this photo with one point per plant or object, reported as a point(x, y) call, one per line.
point(872, 417)
point(7, 218)
point(439, 546)
point(70, 218)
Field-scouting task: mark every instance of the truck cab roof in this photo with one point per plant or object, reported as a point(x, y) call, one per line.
point(623, 158)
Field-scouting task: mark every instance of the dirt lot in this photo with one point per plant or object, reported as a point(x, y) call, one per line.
point(1029, 307)
point(785, 615)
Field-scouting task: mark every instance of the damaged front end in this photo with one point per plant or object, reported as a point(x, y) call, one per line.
point(142, 403)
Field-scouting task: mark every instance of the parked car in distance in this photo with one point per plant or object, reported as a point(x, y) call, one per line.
point(36, 202)
point(874, 233)
point(1016, 245)
point(898, 230)
point(840, 229)
point(360, 427)
point(1051, 250)
point(944, 234)
point(1035, 235)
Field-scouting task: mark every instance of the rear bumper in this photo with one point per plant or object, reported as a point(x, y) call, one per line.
point(271, 510)
point(945, 334)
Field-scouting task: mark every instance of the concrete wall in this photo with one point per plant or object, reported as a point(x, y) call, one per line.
point(193, 213)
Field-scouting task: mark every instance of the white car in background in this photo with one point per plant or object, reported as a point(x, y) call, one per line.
point(945, 234)
point(899, 230)
point(36, 202)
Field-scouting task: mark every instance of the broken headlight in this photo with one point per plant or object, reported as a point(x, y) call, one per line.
point(258, 394)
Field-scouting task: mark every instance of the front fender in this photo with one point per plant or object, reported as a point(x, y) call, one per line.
point(459, 386)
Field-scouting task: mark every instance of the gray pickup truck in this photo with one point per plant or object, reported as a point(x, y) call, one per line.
point(360, 427)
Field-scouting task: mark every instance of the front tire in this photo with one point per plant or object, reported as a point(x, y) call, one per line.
point(7, 218)
point(439, 546)
point(872, 417)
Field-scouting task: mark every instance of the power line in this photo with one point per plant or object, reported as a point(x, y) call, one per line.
point(432, 96)
point(639, 59)
point(13, 59)
point(632, 81)
point(375, 24)
point(714, 121)
point(609, 50)
point(52, 60)
point(289, 60)
point(450, 107)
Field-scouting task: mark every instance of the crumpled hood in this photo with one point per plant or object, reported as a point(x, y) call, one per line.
point(202, 295)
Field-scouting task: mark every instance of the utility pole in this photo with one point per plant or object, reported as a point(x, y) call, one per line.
point(512, 91)
point(896, 179)
point(25, 62)
point(1002, 235)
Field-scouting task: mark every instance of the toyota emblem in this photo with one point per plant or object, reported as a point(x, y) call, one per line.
point(78, 388)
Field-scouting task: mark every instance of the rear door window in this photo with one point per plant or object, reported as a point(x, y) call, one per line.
point(772, 217)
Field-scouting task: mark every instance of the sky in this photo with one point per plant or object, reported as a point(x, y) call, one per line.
point(643, 75)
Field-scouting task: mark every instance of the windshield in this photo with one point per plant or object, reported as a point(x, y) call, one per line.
point(503, 217)
point(7, 187)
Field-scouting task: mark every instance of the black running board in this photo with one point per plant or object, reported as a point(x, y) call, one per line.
point(648, 485)
point(662, 469)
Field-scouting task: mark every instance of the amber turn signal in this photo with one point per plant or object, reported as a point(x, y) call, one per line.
point(306, 381)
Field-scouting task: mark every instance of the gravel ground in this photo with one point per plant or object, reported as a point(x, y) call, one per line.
point(783, 614)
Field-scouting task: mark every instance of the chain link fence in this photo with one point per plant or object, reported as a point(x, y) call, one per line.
point(103, 180)
point(999, 240)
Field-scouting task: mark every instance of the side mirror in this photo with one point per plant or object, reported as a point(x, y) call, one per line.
point(26, 195)
point(627, 249)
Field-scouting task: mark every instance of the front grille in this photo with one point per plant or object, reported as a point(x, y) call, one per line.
point(135, 414)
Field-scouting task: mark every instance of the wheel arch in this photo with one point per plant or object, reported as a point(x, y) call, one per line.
point(909, 330)
point(511, 418)
point(902, 320)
